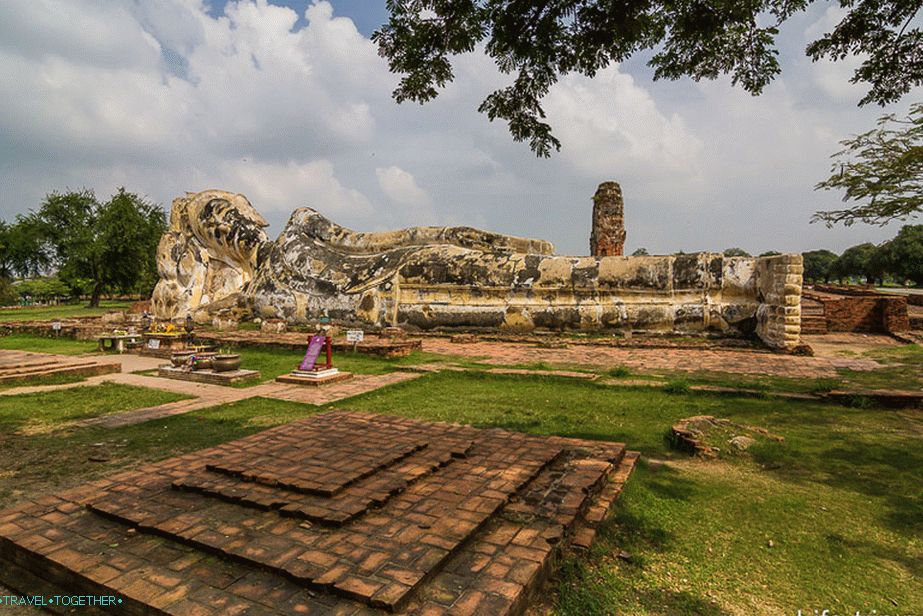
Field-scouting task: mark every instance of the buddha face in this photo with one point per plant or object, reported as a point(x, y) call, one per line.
point(210, 251)
point(226, 225)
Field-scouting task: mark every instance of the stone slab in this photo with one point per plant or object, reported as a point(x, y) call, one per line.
point(294, 379)
point(475, 528)
point(209, 376)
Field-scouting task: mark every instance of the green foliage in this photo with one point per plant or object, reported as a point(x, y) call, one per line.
point(905, 254)
point(770, 253)
point(677, 386)
point(8, 294)
point(882, 170)
point(539, 42)
point(736, 252)
point(819, 264)
point(619, 372)
point(21, 249)
point(640, 252)
point(111, 245)
point(62, 311)
point(44, 289)
point(856, 262)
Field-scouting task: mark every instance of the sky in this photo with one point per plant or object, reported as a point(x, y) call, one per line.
point(291, 105)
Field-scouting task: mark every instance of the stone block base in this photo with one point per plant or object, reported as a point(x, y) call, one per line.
point(297, 379)
point(211, 377)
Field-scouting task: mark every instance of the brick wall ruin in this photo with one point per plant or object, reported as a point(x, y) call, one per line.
point(854, 309)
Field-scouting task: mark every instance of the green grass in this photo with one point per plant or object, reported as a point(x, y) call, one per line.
point(839, 499)
point(38, 454)
point(619, 372)
point(65, 311)
point(903, 369)
point(44, 410)
point(41, 344)
point(53, 379)
point(274, 362)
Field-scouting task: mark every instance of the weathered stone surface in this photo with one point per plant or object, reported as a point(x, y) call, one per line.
point(209, 252)
point(607, 238)
point(431, 277)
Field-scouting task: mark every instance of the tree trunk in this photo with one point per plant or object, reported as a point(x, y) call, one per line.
point(97, 292)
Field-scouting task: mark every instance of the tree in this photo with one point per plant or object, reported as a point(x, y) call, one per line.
point(882, 170)
point(819, 265)
point(130, 229)
point(21, 250)
point(640, 252)
point(856, 262)
point(112, 244)
point(770, 253)
point(541, 40)
point(906, 254)
point(736, 252)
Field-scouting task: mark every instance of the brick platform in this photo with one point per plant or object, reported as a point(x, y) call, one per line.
point(23, 366)
point(340, 513)
point(227, 378)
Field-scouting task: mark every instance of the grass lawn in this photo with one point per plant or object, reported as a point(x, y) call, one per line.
point(274, 362)
point(64, 311)
point(37, 449)
point(42, 344)
point(839, 500)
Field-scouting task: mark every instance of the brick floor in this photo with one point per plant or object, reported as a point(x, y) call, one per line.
point(689, 360)
point(340, 513)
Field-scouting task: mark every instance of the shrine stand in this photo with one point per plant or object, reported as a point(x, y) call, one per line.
point(310, 372)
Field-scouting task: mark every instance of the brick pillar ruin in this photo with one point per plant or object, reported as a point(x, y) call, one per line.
point(607, 238)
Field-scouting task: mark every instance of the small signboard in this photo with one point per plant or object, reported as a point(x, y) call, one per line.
point(314, 348)
point(153, 343)
point(354, 335)
point(56, 326)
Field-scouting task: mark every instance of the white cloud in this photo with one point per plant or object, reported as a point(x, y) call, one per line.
point(163, 97)
point(282, 188)
point(612, 127)
point(401, 187)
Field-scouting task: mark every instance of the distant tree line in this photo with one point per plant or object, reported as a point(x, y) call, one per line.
point(76, 246)
point(899, 260)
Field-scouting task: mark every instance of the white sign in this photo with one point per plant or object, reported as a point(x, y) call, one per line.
point(153, 343)
point(56, 326)
point(354, 335)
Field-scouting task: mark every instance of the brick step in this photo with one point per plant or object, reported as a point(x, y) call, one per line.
point(413, 531)
point(311, 473)
point(87, 369)
point(32, 363)
point(339, 509)
point(813, 325)
point(812, 311)
point(41, 366)
point(418, 538)
point(479, 535)
point(498, 584)
point(495, 573)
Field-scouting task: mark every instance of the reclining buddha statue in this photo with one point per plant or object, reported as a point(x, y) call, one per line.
point(216, 258)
